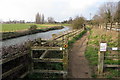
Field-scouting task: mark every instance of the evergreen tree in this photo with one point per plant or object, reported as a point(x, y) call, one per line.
point(42, 19)
point(37, 18)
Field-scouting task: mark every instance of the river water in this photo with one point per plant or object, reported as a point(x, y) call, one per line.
point(43, 35)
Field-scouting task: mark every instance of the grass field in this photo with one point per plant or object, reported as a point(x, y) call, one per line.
point(97, 35)
point(18, 27)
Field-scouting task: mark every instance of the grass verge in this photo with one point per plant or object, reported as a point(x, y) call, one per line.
point(70, 42)
point(97, 35)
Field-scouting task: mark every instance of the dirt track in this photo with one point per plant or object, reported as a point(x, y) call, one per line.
point(78, 65)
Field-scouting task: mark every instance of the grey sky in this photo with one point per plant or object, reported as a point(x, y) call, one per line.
point(59, 9)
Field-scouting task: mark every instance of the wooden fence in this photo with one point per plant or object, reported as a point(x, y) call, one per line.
point(112, 26)
point(59, 43)
point(107, 53)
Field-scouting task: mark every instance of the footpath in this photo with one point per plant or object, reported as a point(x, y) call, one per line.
point(78, 65)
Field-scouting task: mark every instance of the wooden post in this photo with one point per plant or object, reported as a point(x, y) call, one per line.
point(65, 58)
point(54, 36)
point(111, 25)
point(39, 41)
point(101, 53)
point(106, 26)
point(31, 62)
point(100, 62)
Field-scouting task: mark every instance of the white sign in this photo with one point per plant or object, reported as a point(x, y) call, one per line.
point(114, 48)
point(61, 48)
point(103, 46)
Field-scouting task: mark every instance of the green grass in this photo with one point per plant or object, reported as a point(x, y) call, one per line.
point(16, 27)
point(70, 42)
point(112, 73)
point(92, 53)
point(43, 76)
point(66, 24)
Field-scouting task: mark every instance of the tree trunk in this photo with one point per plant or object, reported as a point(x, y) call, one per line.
point(111, 26)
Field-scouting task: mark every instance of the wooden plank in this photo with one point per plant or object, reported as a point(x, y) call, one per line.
point(47, 60)
point(106, 65)
point(11, 58)
point(49, 71)
point(53, 42)
point(43, 54)
point(74, 32)
point(64, 34)
point(111, 56)
point(45, 48)
point(23, 75)
point(12, 70)
point(50, 40)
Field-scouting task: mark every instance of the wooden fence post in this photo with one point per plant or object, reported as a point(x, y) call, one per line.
point(106, 26)
point(65, 58)
point(40, 42)
point(100, 62)
point(31, 62)
point(111, 25)
point(101, 53)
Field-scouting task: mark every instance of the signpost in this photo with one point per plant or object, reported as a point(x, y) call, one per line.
point(103, 49)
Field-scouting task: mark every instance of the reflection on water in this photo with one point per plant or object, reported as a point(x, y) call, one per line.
point(44, 35)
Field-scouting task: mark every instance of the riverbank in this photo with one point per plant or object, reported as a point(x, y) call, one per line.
point(10, 35)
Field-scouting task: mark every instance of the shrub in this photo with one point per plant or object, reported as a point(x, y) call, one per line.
point(33, 27)
point(78, 22)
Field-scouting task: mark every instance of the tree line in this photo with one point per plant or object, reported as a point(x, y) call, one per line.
point(109, 12)
point(40, 19)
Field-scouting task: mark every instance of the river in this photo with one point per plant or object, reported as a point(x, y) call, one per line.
point(43, 35)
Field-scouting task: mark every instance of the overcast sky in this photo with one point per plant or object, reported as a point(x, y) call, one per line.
point(59, 9)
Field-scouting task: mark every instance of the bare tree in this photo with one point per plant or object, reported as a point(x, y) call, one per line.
point(117, 14)
point(96, 20)
point(107, 12)
point(51, 20)
point(70, 20)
